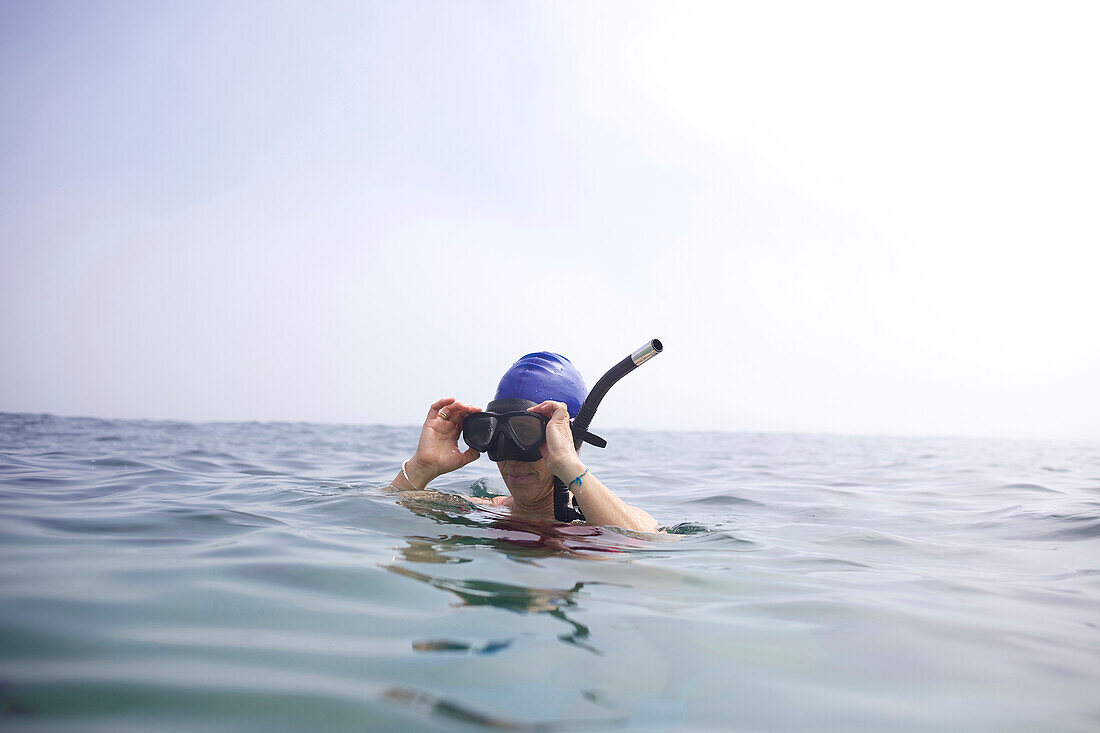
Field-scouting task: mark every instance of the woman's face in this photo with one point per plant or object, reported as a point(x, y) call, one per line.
point(526, 479)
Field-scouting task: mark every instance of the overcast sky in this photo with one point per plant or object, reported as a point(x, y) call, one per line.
point(854, 218)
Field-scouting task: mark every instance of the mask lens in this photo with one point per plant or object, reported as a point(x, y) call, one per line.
point(527, 429)
point(478, 430)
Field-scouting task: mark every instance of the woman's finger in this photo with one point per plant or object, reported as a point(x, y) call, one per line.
point(556, 411)
point(439, 405)
point(546, 409)
point(453, 414)
point(458, 411)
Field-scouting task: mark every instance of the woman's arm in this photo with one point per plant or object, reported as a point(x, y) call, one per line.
point(600, 505)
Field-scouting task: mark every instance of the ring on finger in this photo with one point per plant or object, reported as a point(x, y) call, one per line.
point(444, 415)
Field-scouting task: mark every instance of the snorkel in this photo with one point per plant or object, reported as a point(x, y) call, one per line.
point(647, 351)
point(563, 511)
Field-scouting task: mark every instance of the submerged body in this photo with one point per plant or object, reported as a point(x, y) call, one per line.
point(530, 483)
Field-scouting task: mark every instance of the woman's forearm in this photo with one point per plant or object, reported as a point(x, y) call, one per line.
point(602, 507)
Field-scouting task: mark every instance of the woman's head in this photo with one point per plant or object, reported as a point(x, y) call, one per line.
point(535, 378)
point(506, 429)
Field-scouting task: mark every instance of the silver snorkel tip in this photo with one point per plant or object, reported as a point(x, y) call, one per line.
point(647, 351)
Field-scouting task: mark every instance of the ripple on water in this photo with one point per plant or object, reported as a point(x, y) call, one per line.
point(252, 576)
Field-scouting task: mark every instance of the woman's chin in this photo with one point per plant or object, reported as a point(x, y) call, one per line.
point(525, 484)
point(524, 480)
point(529, 479)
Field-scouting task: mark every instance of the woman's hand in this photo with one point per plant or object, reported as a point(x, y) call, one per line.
point(437, 452)
point(558, 449)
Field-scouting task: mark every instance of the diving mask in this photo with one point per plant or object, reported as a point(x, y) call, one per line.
point(506, 431)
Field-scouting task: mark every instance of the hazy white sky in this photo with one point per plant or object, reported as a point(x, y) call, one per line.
point(842, 217)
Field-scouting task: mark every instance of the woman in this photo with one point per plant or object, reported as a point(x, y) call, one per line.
point(553, 388)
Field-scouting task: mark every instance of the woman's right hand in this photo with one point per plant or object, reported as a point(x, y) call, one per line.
point(437, 452)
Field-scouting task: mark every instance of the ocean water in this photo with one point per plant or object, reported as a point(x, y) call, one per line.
point(168, 576)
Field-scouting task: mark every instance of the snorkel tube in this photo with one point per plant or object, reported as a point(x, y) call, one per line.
point(588, 410)
point(563, 512)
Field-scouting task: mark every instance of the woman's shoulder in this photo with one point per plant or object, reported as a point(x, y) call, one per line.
point(505, 501)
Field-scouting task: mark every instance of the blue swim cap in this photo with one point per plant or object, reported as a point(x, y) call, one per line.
point(544, 376)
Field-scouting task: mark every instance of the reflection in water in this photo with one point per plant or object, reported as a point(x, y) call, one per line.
point(445, 645)
point(521, 540)
point(429, 550)
point(514, 598)
point(456, 711)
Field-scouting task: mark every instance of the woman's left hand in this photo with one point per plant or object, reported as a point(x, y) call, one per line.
point(558, 450)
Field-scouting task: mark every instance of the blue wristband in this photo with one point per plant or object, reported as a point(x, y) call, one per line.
point(577, 480)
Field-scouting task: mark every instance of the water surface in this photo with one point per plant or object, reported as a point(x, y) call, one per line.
point(162, 576)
